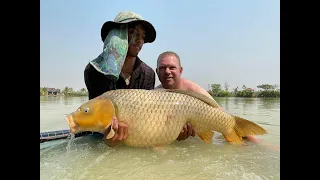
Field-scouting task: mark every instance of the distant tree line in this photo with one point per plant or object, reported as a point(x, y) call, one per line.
point(264, 90)
point(215, 90)
point(67, 91)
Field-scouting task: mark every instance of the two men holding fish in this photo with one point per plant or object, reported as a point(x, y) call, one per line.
point(132, 72)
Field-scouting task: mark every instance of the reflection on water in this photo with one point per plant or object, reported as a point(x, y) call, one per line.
point(62, 100)
point(88, 158)
point(249, 103)
point(53, 110)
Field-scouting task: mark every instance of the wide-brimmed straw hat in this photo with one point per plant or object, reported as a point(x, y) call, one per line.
point(129, 17)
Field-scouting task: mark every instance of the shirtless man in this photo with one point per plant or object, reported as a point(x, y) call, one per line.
point(169, 72)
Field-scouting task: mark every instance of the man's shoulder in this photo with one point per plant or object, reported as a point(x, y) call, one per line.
point(89, 69)
point(190, 85)
point(88, 66)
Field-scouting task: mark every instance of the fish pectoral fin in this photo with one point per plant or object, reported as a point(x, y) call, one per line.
point(110, 134)
point(233, 137)
point(206, 135)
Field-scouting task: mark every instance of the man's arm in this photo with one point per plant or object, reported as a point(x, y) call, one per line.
point(120, 130)
point(195, 87)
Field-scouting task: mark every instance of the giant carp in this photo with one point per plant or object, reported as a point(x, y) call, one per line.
point(156, 117)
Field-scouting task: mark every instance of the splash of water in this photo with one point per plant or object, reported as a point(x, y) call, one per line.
point(71, 142)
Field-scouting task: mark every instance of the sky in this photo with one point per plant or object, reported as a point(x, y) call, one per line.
point(218, 41)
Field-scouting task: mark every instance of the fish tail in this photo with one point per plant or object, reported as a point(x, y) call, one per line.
point(241, 129)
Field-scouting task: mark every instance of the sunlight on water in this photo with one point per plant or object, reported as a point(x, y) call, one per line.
point(88, 157)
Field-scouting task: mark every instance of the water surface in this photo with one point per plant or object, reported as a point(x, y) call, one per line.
point(89, 158)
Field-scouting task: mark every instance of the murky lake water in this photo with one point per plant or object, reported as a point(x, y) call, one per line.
point(89, 158)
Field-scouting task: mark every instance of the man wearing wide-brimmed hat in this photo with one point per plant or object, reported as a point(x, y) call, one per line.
point(118, 66)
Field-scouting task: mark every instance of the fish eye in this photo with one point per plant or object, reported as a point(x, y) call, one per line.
point(86, 110)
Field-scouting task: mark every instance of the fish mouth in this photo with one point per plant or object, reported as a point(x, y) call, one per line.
point(74, 127)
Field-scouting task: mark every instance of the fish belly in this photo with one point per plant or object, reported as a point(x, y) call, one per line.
point(151, 127)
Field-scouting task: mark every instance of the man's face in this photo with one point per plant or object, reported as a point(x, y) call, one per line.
point(169, 71)
point(136, 35)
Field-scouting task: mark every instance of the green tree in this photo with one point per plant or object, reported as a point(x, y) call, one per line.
point(266, 86)
point(226, 86)
point(83, 90)
point(66, 91)
point(235, 90)
point(276, 86)
point(43, 91)
point(215, 89)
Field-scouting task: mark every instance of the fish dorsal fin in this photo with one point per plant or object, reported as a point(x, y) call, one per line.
point(197, 95)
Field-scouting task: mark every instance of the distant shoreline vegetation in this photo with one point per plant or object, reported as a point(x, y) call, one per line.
point(265, 90)
point(215, 90)
point(67, 91)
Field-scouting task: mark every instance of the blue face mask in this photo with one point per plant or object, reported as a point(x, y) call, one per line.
point(115, 49)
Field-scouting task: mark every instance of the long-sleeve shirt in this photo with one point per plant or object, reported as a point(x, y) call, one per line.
point(142, 77)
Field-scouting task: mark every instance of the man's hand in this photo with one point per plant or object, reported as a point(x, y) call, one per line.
point(186, 132)
point(120, 130)
point(252, 139)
